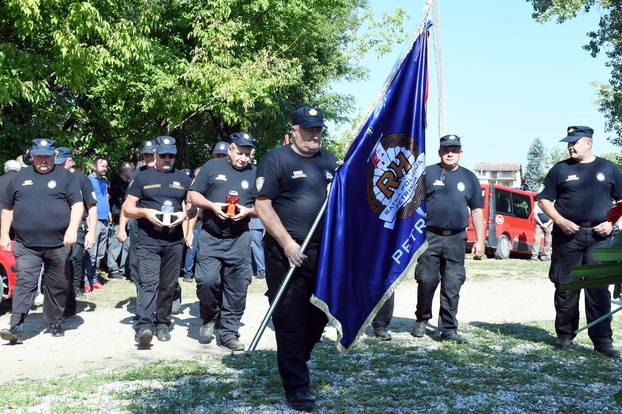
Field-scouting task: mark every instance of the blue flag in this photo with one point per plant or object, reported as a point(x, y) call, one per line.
point(374, 226)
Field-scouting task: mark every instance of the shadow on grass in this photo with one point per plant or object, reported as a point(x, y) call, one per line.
point(518, 331)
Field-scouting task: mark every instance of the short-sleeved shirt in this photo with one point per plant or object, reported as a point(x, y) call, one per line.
point(449, 196)
point(87, 192)
point(41, 205)
point(118, 190)
point(583, 192)
point(297, 186)
point(154, 188)
point(100, 185)
point(215, 180)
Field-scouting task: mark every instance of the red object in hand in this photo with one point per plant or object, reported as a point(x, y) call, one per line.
point(232, 203)
point(614, 213)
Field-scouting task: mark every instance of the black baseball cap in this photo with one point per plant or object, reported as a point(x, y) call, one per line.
point(450, 141)
point(575, 133)
point(309, 117)
point(242, 139)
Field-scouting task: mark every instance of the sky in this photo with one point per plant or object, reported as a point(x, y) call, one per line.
point(508, 79)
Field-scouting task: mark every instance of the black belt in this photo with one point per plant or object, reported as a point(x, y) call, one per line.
point(443, 232)
point(589, 223)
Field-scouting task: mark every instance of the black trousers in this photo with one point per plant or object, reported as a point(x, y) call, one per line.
point(158, 270)
point(132, 258)
point(55, 289)
point(223, 272)
point(298, 324)
point(443, 262)
point(568, 252)
point(74, 269)
point(385, 314)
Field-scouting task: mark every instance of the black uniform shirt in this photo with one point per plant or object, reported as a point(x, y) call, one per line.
point(449, 198)
point(583, 192)
point(41, 205)
point(297, 187)
point(215, 180)
point(118, 189)
point(88, 193)
point(153, 188)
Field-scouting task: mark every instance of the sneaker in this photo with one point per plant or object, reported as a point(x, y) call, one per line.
point(15, 334)
point(608, 351)
point(206, 333)
point(545, 259)
point(87, 288)
point(301, 401)
point(233, 345)
point(56, 329)
point(453, 337)
point(163, 334)
point(382, 333)
point(97, 286)
point(144, 337)
point(260, 275)
point(116, 275)
point(419, 329)
point(563, 343)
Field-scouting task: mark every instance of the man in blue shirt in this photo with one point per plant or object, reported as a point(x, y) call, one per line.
point(96, 253)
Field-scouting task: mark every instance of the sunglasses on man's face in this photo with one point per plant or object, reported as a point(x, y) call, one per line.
point(166, 156)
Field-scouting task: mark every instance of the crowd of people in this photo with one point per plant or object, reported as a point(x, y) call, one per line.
point(232, 220)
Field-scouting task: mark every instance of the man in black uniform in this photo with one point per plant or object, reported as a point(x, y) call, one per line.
point(223, 269)
point(291, 187)
point(155, 198)
point(41, 237)
point(11, 168)
point(85, 238)
point(451, 190)
point(582, 188)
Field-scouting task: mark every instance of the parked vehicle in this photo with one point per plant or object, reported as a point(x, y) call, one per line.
point(8, 274)
point(509, 221)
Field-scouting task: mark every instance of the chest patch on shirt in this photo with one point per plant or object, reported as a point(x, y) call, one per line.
point(259, 183)
point(438, 183)
point(299, 174)
point(176, 185)
point(572, 177)
point(27, 182)
point(149, 186)
point(221, 177)
point(51, 184)
point(244, 184)
point(600, 177)
point(460, 186)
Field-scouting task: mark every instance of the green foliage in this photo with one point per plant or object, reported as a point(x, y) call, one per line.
point(103, 76)
point(537, 161)
point(606, 38)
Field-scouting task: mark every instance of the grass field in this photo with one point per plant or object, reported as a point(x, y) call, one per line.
point(505, 368)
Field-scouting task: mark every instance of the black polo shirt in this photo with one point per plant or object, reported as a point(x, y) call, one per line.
point(118, 190)
point(41, 205)
point(297, 186)
point(449, 196)
point(154, 188)
point(583, 192)
point(215, 180)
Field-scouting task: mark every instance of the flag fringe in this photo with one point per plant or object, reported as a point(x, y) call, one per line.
point(323, 306)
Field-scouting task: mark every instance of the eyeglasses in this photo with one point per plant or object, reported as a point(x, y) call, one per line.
point(166, 156)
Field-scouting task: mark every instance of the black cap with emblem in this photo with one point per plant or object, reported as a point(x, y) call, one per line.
point(575, 133)
point(43, 146)
point(165, 145)
point(242, 139)
point(221, 148)
point(450, 141)
point(309, 117)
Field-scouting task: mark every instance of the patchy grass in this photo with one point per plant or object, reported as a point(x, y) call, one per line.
point(505, 368)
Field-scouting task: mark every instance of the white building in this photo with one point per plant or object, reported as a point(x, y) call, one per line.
point(508, 174)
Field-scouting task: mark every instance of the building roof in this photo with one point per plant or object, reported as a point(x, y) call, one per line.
point(497, 166)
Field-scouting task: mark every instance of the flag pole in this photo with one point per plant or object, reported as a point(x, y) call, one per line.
point(288, 276)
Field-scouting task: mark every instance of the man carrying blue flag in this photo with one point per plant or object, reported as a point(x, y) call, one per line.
point(451, 190)
point(291, 188)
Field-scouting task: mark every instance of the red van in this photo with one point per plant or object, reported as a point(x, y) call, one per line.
point(8, 274)
point(508, 219)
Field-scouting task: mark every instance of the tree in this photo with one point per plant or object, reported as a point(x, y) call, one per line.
point(607, 37)
point(537, 162)
point(103, 76)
